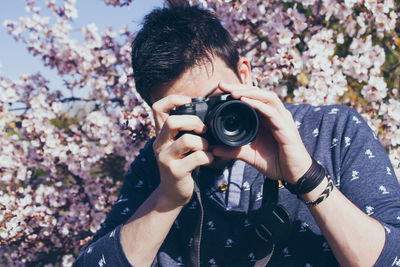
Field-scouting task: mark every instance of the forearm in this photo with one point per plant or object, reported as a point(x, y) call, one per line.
point(355, 238)
point(143, 234)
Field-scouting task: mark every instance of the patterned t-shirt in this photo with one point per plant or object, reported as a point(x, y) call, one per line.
point(336, 136)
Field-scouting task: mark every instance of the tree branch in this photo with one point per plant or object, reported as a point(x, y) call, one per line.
point(72, 99)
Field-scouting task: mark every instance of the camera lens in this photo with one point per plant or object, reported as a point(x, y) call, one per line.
point(233, 123)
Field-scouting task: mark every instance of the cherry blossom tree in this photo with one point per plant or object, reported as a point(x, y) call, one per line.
point(62, 158)
point(60, 173)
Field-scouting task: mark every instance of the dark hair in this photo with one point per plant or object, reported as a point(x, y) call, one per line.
point(175, 39)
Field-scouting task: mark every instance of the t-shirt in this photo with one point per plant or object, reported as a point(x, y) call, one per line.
point(336, 136)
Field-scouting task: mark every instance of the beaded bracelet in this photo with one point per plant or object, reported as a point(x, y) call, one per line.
point(324, 195)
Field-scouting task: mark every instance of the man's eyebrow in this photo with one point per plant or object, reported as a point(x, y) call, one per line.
point(211, 92)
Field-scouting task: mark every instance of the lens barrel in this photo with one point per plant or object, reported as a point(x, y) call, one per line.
point(233, 123)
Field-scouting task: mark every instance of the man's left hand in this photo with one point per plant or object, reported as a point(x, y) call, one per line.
point(277, 151)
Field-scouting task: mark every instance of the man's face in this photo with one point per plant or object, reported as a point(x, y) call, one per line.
point(202, 81)
point(199, 81)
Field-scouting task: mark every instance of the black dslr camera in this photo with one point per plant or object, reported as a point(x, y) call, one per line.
point(229, 121)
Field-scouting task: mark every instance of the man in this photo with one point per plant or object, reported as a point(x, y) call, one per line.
point(183, 53)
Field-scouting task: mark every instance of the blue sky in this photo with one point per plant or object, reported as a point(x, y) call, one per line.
point(14, 56)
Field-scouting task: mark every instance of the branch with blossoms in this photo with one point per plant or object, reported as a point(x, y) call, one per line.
point(118, 2)
point(118, 101)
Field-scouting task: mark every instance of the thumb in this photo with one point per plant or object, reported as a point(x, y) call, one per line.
point(231, 152)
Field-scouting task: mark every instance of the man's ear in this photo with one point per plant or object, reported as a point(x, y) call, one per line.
point(244, 70)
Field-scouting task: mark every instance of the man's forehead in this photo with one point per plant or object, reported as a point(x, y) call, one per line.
point(199, 81)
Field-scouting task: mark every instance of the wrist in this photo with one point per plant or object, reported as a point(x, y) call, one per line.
point(310, 180)
point(315, 193)
point(174, 196)
point(297, 169)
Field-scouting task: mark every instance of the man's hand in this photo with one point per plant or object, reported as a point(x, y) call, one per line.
point(278, 151)
point(178, 157)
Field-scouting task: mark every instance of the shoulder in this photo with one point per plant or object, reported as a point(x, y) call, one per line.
point(329, 130)
point(307, 111)
point(329, 118)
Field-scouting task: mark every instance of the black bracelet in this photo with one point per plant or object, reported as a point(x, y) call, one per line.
point(324, 195)
point(309, 181)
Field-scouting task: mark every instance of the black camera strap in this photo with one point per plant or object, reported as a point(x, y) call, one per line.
point(273, 222)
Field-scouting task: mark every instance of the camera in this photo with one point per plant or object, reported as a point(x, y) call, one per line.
point(229, 121)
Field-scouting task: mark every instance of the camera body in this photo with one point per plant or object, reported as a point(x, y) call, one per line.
point(229, 121)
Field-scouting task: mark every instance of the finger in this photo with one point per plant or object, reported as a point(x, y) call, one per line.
point(162, 107)
point(242, 153)
point(268, 111)
point(267, 97)
point(176, 123)
point(196, 159)
point(281, 124)
point(241, 90)
point(229, 87)
point(187, 143)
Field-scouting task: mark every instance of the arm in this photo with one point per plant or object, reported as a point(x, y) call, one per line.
point(278, 152)
point(142, 216)
point(355, 238)
point(143, 234)
point(368, 181)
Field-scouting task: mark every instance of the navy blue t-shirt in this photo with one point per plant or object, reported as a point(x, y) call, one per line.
point(336, 136)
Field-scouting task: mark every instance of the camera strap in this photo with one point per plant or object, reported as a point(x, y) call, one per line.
point(273, 222)
point(272, 225)
point(194, 256)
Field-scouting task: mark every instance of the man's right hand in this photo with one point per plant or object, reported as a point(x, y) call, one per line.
point(178, 157)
